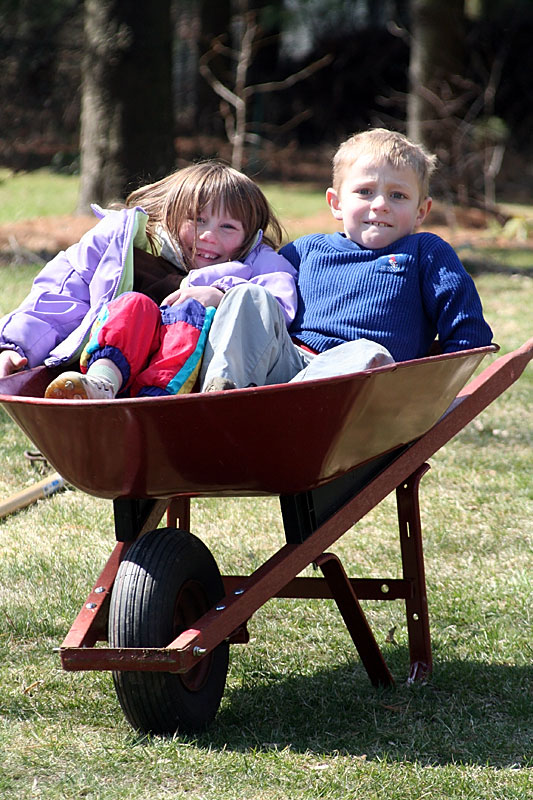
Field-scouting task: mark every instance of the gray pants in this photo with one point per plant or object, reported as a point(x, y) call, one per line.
point(248, 343)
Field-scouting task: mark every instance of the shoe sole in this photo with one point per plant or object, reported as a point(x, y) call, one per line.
point(67, 389)
point(219, 385)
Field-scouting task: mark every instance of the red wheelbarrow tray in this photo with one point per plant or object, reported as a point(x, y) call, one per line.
point(332, 449)
point(268, 440)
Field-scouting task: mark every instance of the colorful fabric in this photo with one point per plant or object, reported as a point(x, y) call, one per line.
point(53, 322)
point(157, 349)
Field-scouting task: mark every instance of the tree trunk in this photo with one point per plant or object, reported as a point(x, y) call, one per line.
point(127, 127)
point(436, 60)
point(215, 21)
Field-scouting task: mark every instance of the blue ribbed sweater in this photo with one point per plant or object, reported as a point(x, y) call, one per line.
point(401, 296)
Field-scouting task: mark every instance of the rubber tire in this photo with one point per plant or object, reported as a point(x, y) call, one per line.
point(168, 579)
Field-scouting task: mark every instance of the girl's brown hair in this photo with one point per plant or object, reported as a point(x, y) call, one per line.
point(183, 195)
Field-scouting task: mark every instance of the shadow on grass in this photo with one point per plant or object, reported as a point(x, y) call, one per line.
point(481, 263)
point(469, 712)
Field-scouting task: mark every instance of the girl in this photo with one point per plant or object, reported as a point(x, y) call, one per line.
point(183, 242)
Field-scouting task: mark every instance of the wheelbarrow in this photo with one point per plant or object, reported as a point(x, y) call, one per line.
point(330, 449)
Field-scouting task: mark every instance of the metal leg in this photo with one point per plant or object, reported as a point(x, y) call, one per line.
point(132, 519)
point(90, 625)
point(413, 571)
point(179, 513)
point(355, 620)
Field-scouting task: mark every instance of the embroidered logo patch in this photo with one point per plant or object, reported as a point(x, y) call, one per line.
point(393, 263)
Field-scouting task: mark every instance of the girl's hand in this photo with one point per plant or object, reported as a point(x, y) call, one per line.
point(10, 362)
point(206, 295)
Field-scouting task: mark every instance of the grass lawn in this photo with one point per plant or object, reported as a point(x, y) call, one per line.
point(40, 193)
point(299, 718)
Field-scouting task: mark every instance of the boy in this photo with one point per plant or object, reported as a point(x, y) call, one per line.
point(375, 293)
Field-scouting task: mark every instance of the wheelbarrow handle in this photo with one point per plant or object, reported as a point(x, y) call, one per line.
point(44, 488)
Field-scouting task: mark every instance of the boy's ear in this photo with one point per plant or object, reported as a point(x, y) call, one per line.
point(334, 203)
point(423, 211)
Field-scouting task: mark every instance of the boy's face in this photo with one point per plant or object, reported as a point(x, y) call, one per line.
point(377, 203)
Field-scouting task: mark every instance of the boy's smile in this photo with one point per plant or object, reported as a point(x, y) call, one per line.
point(378, 203)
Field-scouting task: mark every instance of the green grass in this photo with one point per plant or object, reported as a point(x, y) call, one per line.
point(44, 193)
point(495, 258)
point(302, 209)
point(299, 718)
point(295, 201)
point(36, 194)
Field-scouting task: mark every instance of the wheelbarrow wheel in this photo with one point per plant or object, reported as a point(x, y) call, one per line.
point(167, 581)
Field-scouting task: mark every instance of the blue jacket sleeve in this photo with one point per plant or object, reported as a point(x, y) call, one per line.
point(451, 299)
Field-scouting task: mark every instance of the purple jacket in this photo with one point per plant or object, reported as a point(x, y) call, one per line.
point(54, 321)
point(263, 266)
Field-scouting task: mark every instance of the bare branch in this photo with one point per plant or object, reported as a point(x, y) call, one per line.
point(219, 48)
point(217, 86)
point(292, 123)
point(229, 121)
point(273, 86)
point(245, 56)
point(238, 97)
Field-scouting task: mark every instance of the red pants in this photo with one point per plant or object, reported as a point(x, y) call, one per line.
point(158, 350)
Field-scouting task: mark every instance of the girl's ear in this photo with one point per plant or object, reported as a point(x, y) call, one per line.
point(334, 203)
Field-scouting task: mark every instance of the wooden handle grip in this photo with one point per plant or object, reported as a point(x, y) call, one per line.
point(52, 483)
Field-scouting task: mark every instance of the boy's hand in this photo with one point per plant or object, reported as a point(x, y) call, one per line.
point(10, 362)
point(206, 295)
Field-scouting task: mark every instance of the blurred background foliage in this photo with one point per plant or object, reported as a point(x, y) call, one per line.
point(455, 75)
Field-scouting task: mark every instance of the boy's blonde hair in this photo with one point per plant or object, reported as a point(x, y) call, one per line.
point(389, 146)
point(184, 194)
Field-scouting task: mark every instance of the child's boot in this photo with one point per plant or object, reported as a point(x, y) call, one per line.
point(75, 386)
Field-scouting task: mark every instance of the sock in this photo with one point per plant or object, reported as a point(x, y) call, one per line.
point(104, 368)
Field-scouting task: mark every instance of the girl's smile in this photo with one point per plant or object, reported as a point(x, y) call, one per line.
point(212, 238)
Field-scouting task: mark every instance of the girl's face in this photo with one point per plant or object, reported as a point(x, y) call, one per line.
point(212, 238)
